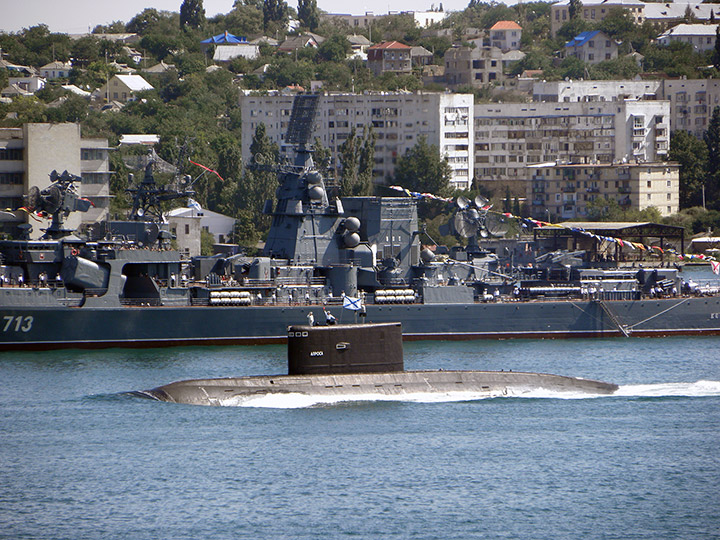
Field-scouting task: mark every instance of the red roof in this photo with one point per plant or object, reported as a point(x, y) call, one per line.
point(390, 45)
point(506, 25)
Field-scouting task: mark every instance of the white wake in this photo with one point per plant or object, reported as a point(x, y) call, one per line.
point(298, 401)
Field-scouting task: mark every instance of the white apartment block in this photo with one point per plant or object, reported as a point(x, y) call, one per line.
point(576, 91)
point(692, 101)
point(511, 136)
point(398, 119)
point(423, 19)
point(563, 191)
point(30, 153)
point(661, 14)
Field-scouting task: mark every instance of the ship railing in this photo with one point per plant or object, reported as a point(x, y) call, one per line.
point(140, 302)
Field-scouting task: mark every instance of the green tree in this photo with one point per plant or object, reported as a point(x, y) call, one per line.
point(716, 50)
point(422, 169)
point(356, 161)
point(206, 243)
point(712, 141)
point(259, 181)
point(308, 14)
point(692, 154)
point(275, 14)
point(321, 157)
point(192, 14)
point(334, 49)
point(574, 8)
point(144, 21)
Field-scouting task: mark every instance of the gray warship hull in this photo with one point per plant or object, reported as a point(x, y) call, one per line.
point(230, 391)
point(43, 327)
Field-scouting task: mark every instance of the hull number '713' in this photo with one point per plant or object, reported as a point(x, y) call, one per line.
point(17, 324)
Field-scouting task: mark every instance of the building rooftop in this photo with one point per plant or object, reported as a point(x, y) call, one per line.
point(506, 25)
point(391, 45)
point(135, 82)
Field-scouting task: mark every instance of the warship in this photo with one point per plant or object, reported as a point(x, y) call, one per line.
point(355, 258)
point(358, 361)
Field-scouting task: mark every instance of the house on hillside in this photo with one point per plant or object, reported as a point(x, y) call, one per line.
point(123, 88)
point(700, 36)
point(225, 53)
point(421, 56)
point(295, 43)
point(592, 47)
point(389, 57)
point(56, 70)
point(505, 35)
point(476, 66)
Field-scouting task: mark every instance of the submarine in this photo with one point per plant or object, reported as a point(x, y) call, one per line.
point(347, 360)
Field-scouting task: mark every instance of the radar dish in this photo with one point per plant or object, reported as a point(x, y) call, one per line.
point(496, 224)
point(33, 198)
point(151, 233)
point(465, 227)
point(52, 199)
point(481, 201)
point(462, 202)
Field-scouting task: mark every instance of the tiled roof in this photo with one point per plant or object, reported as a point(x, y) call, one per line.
point(391, 45)
point(506, 25)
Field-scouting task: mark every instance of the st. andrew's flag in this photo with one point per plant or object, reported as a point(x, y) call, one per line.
point(354, 304)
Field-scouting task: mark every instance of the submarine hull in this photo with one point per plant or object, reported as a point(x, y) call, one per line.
point(228, 391)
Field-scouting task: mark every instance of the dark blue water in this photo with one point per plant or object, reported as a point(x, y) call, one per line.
point(82, 459)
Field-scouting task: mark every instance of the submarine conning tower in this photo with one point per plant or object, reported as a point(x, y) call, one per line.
point(345, 348)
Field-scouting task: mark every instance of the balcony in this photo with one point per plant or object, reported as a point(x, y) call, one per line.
point(568, 189)
point(624, 189)
point(538, 202)
point(538, 190)
point(593, 190)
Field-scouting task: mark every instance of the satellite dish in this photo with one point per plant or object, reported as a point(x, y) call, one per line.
point(462, 202)
point(464, 226)
point(33, 198)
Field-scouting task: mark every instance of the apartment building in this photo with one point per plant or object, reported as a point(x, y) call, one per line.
point(563, 191)
point(423, 19)
point(513, 139)
point(474, 66)
point(692, 101)
point(575, 91)
point(398, 119)
point(30, 153)
point(510, 136)
point(660, 14)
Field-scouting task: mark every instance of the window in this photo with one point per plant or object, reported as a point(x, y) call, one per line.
point(187, 228)
point(11, 154)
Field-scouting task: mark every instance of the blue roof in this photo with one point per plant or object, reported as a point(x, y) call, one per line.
point(582, 38)
point(225, 38)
